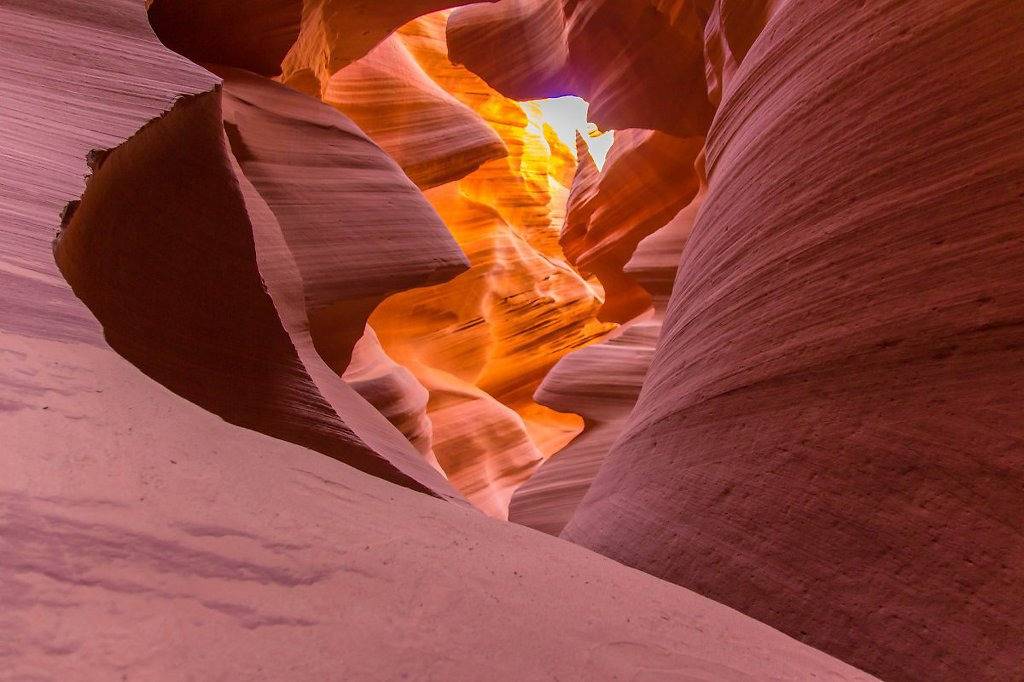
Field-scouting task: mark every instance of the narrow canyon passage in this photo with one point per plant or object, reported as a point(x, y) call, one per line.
point(518, 339)
point(519, 185)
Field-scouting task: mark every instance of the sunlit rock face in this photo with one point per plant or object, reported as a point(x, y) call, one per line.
point(434, 137)
point(335, 33)
point(652, 90)
point(158, 524)
point(647, 179)
point(498, 174)
point(483, 342)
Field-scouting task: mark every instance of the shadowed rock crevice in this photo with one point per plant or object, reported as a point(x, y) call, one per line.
point(161, 281)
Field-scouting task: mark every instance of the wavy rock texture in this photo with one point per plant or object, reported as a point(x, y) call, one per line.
point(145, 537)
point(828, 438)
point(254, 35)
point(434, 137)
point(647, 179)
point(601, 383)
point(302, 289)
point(730, 30)
point(481, 343)
point(521, 305)
point(393, 391)
point(335, 33)
point(639, 63)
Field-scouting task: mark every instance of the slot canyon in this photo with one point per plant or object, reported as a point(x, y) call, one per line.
point(516, 340)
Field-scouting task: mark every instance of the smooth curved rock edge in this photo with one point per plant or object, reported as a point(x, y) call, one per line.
point(157, 314)
point(639, 63)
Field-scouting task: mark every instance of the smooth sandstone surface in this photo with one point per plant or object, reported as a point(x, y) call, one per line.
point(254, 35)
point(600, 383)
point(143, 536)
point(209, 281)
point(434, 137)
point(393, 391)
point(297, 302)
point(335, 33)
point(223, 553)
point(482, 342)
point(829, 438)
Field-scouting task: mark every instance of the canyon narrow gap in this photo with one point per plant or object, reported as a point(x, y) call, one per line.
point(520, 339)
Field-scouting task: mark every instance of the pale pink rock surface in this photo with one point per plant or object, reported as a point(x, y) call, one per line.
point(393, 391)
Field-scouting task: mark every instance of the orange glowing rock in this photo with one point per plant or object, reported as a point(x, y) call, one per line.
point(433, 136)
point(602, 383)
point(481, 343)
point(335, 33)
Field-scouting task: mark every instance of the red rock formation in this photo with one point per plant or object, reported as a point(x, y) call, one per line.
point(601, 383)
point(285, 354)
point(482, 343)
point(730, 30)
point(253, 35)
point(434, 137)
point(829, 436)
point(639, 63)
point(335, 33)
point(519, 310)
point(145, 537)
point(648, 178)
point(393, 391)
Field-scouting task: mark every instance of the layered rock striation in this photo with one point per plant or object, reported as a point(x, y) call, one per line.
point(639, 63)
point(602, 383)
point(826, 439)
point(481, 343)
point(280, 309)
